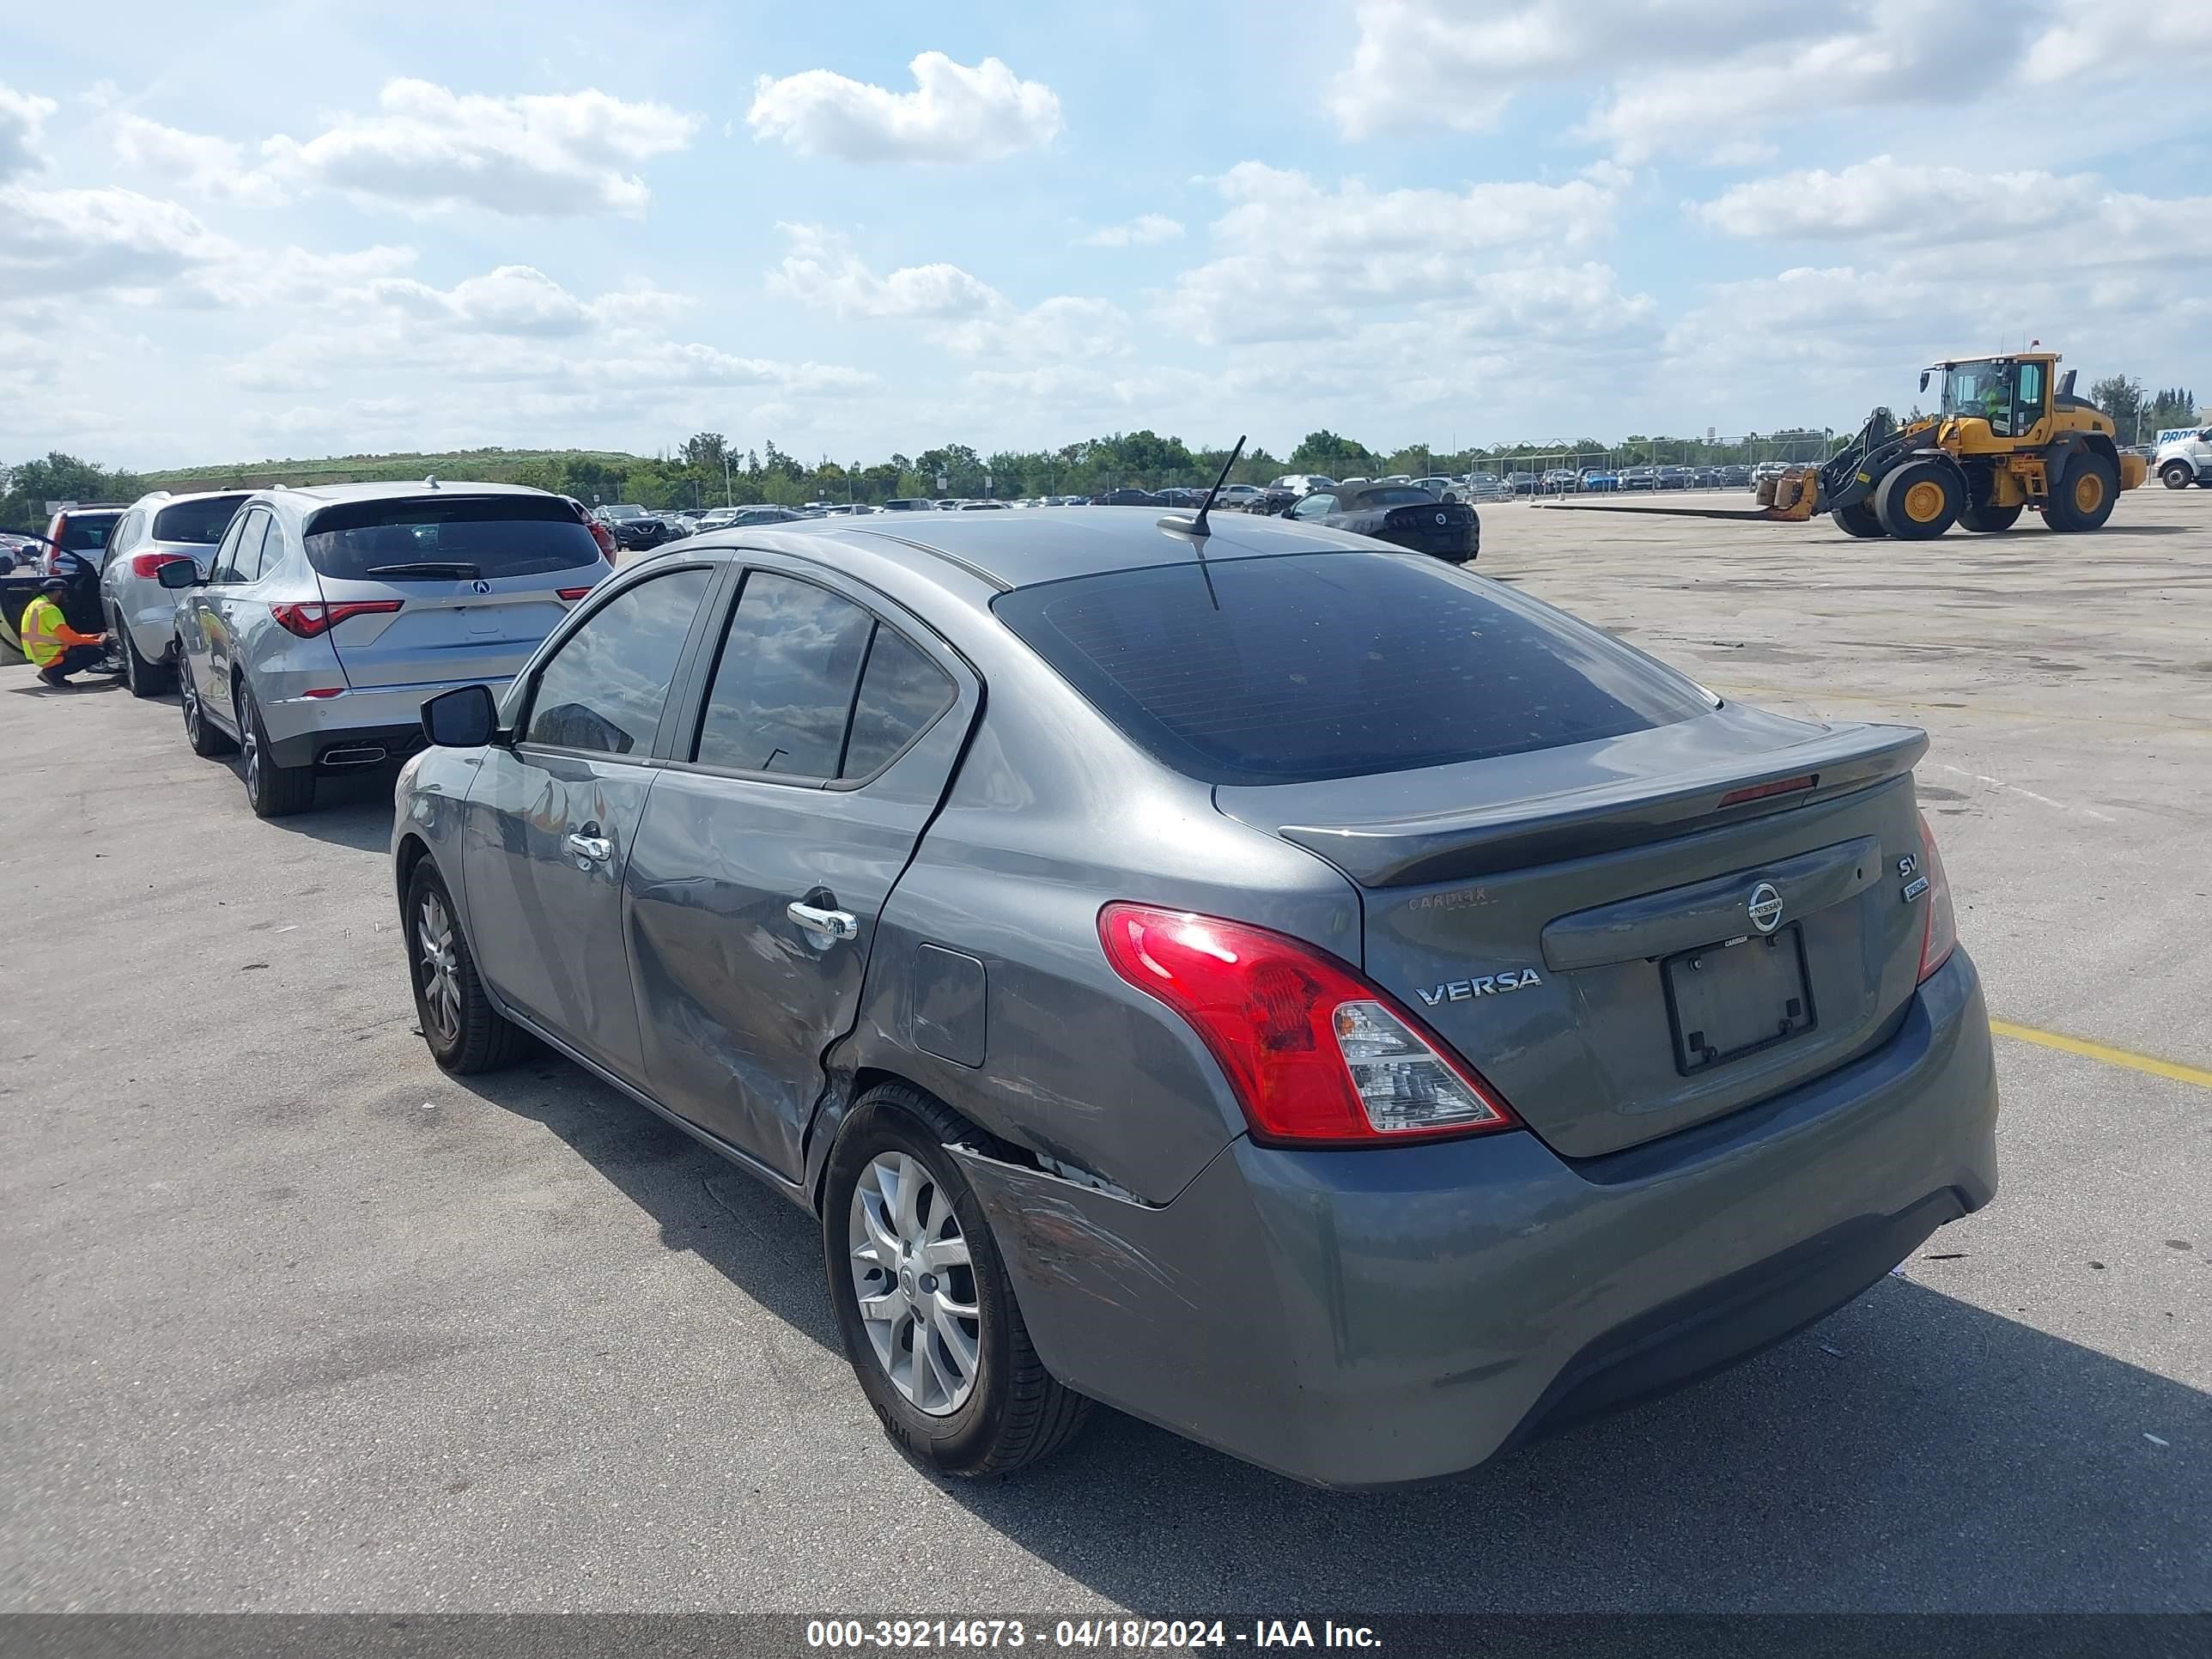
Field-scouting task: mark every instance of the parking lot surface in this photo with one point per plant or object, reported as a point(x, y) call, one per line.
point(295, 1322)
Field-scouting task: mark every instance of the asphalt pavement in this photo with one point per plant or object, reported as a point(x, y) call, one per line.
point(294, 1321)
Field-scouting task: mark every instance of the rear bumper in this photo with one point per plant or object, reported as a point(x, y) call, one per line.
point(305, 731)
point(1375, 1318)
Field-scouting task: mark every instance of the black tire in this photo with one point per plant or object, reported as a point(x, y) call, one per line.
point(2177, 475)
point(1015, 1412)
point(1990, 520)
point(2085, 494)
point(145, 679)
point(1858, 519)
point(200, 731)
point(464, 1033)
point(272, 791)
point(1919, 501)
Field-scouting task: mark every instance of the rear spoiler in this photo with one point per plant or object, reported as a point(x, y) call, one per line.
point(1625, 809)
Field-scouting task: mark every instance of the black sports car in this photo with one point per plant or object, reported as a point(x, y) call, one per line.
point(1407, 514)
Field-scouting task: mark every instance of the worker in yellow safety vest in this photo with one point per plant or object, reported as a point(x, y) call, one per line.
point(55, 648)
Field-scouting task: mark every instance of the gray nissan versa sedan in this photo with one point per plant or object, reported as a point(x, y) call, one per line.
point(1308, 995)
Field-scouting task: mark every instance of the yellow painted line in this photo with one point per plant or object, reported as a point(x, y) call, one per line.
point(2111, 1056)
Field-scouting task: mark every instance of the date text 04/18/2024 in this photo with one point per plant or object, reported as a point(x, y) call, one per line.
point(1082, 1633)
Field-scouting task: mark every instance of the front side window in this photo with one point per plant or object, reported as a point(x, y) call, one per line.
point(240, 558)
point(603, 690)
point(783, 688)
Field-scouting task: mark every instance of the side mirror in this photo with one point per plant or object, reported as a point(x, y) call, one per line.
point(179, 574)
point(467, 717)
point(1923, 379)
point(2066, 383)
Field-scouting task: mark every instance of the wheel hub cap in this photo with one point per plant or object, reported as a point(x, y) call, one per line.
point(2088, 493)
point(1924, 501)
point(916, 1283)
point(440, 966)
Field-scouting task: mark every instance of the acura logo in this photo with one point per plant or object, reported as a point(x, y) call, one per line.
point(1764, 908)
point(481, 587)
point(1442, 519)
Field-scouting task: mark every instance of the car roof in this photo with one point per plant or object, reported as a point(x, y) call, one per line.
point(1052, 543)
point(300, 503)
point(157, 498)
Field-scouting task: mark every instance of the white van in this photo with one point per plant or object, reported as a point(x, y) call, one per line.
point(2184, 457)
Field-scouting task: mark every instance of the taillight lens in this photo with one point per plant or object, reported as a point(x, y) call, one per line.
point(311, 619)
point(572, 594)
point(1941, 935)
point(603, 536)
point(1317, 1057)
point(147, 567)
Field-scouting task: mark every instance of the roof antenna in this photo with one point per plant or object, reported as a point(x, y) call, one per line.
point(1195, 528)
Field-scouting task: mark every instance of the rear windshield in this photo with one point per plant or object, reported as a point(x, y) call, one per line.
point(202, 522)
point(444, 537)
point(1389, 495)
point(87, 533)
point(1335, 665)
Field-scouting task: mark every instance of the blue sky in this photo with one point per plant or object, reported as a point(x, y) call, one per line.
point(858, 228)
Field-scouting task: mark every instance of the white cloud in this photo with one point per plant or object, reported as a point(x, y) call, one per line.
point(22, 116)
point(195, 162)
point(955, 113)
point(522, 300)
point(1299, 258)
point(822, 270)
point(1709, 77)
point(2074, 219)
point(81, 242)
point(1145, 230)
point(961, 313)
point(556, 155)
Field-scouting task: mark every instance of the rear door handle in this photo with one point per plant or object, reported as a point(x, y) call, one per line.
point(593, 849)
point(830, 926)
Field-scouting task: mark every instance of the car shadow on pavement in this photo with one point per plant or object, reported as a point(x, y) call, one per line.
point(1910, 1452)
point(763, 1244)
point(351, 809)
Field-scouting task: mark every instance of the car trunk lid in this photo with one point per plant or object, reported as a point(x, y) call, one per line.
point(1630, 936)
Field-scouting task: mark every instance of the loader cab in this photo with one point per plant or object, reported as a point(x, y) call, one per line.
point(2012, 395)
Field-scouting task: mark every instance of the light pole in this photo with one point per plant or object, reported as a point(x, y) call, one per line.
point(728, 499)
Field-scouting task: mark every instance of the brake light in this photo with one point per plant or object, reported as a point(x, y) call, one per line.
point(1317, 1057)
point(605, 537)
point(146, 566)
point(572, 594)
point(1940, 935)
point(311, 619)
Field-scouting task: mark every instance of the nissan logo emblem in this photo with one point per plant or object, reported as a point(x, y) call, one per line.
point(1442, 519)
point(1764, 908)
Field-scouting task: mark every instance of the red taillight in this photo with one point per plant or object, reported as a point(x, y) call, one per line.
point(605, 537)
point(147, 567)
point(1940, 935)
point(1317, 1055)
point(325, 691)
point(1761, 790)
point(573, 594)
point(311, 619)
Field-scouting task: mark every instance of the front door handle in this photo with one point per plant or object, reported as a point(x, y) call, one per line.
point(591, 849)
point(830, 926)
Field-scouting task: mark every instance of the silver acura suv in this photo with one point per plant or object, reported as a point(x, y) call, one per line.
point(327, 616)
point(1309, 996)
point(159, 529)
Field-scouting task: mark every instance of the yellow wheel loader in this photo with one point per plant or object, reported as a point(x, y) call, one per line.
point(2004, 439)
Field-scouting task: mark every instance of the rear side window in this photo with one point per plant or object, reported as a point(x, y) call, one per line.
point(783, 688)
point(602, 690)
point(87, 533)
point(201, 523)
point(448, 538)
point(1335, 665)
point(240, 558)
point(901, 691)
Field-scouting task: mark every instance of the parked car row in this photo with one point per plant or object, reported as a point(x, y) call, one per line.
point(1314, 998)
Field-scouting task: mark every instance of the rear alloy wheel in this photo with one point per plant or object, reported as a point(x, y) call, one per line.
point(1919, 501)
point(464, 1032)
point(145, 679)
point(199, 730)
point(1857, 520)
point(2086, 495)
point(1989, 520)
point(923, 1301)
point(2177, 475)
point(273, 791)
